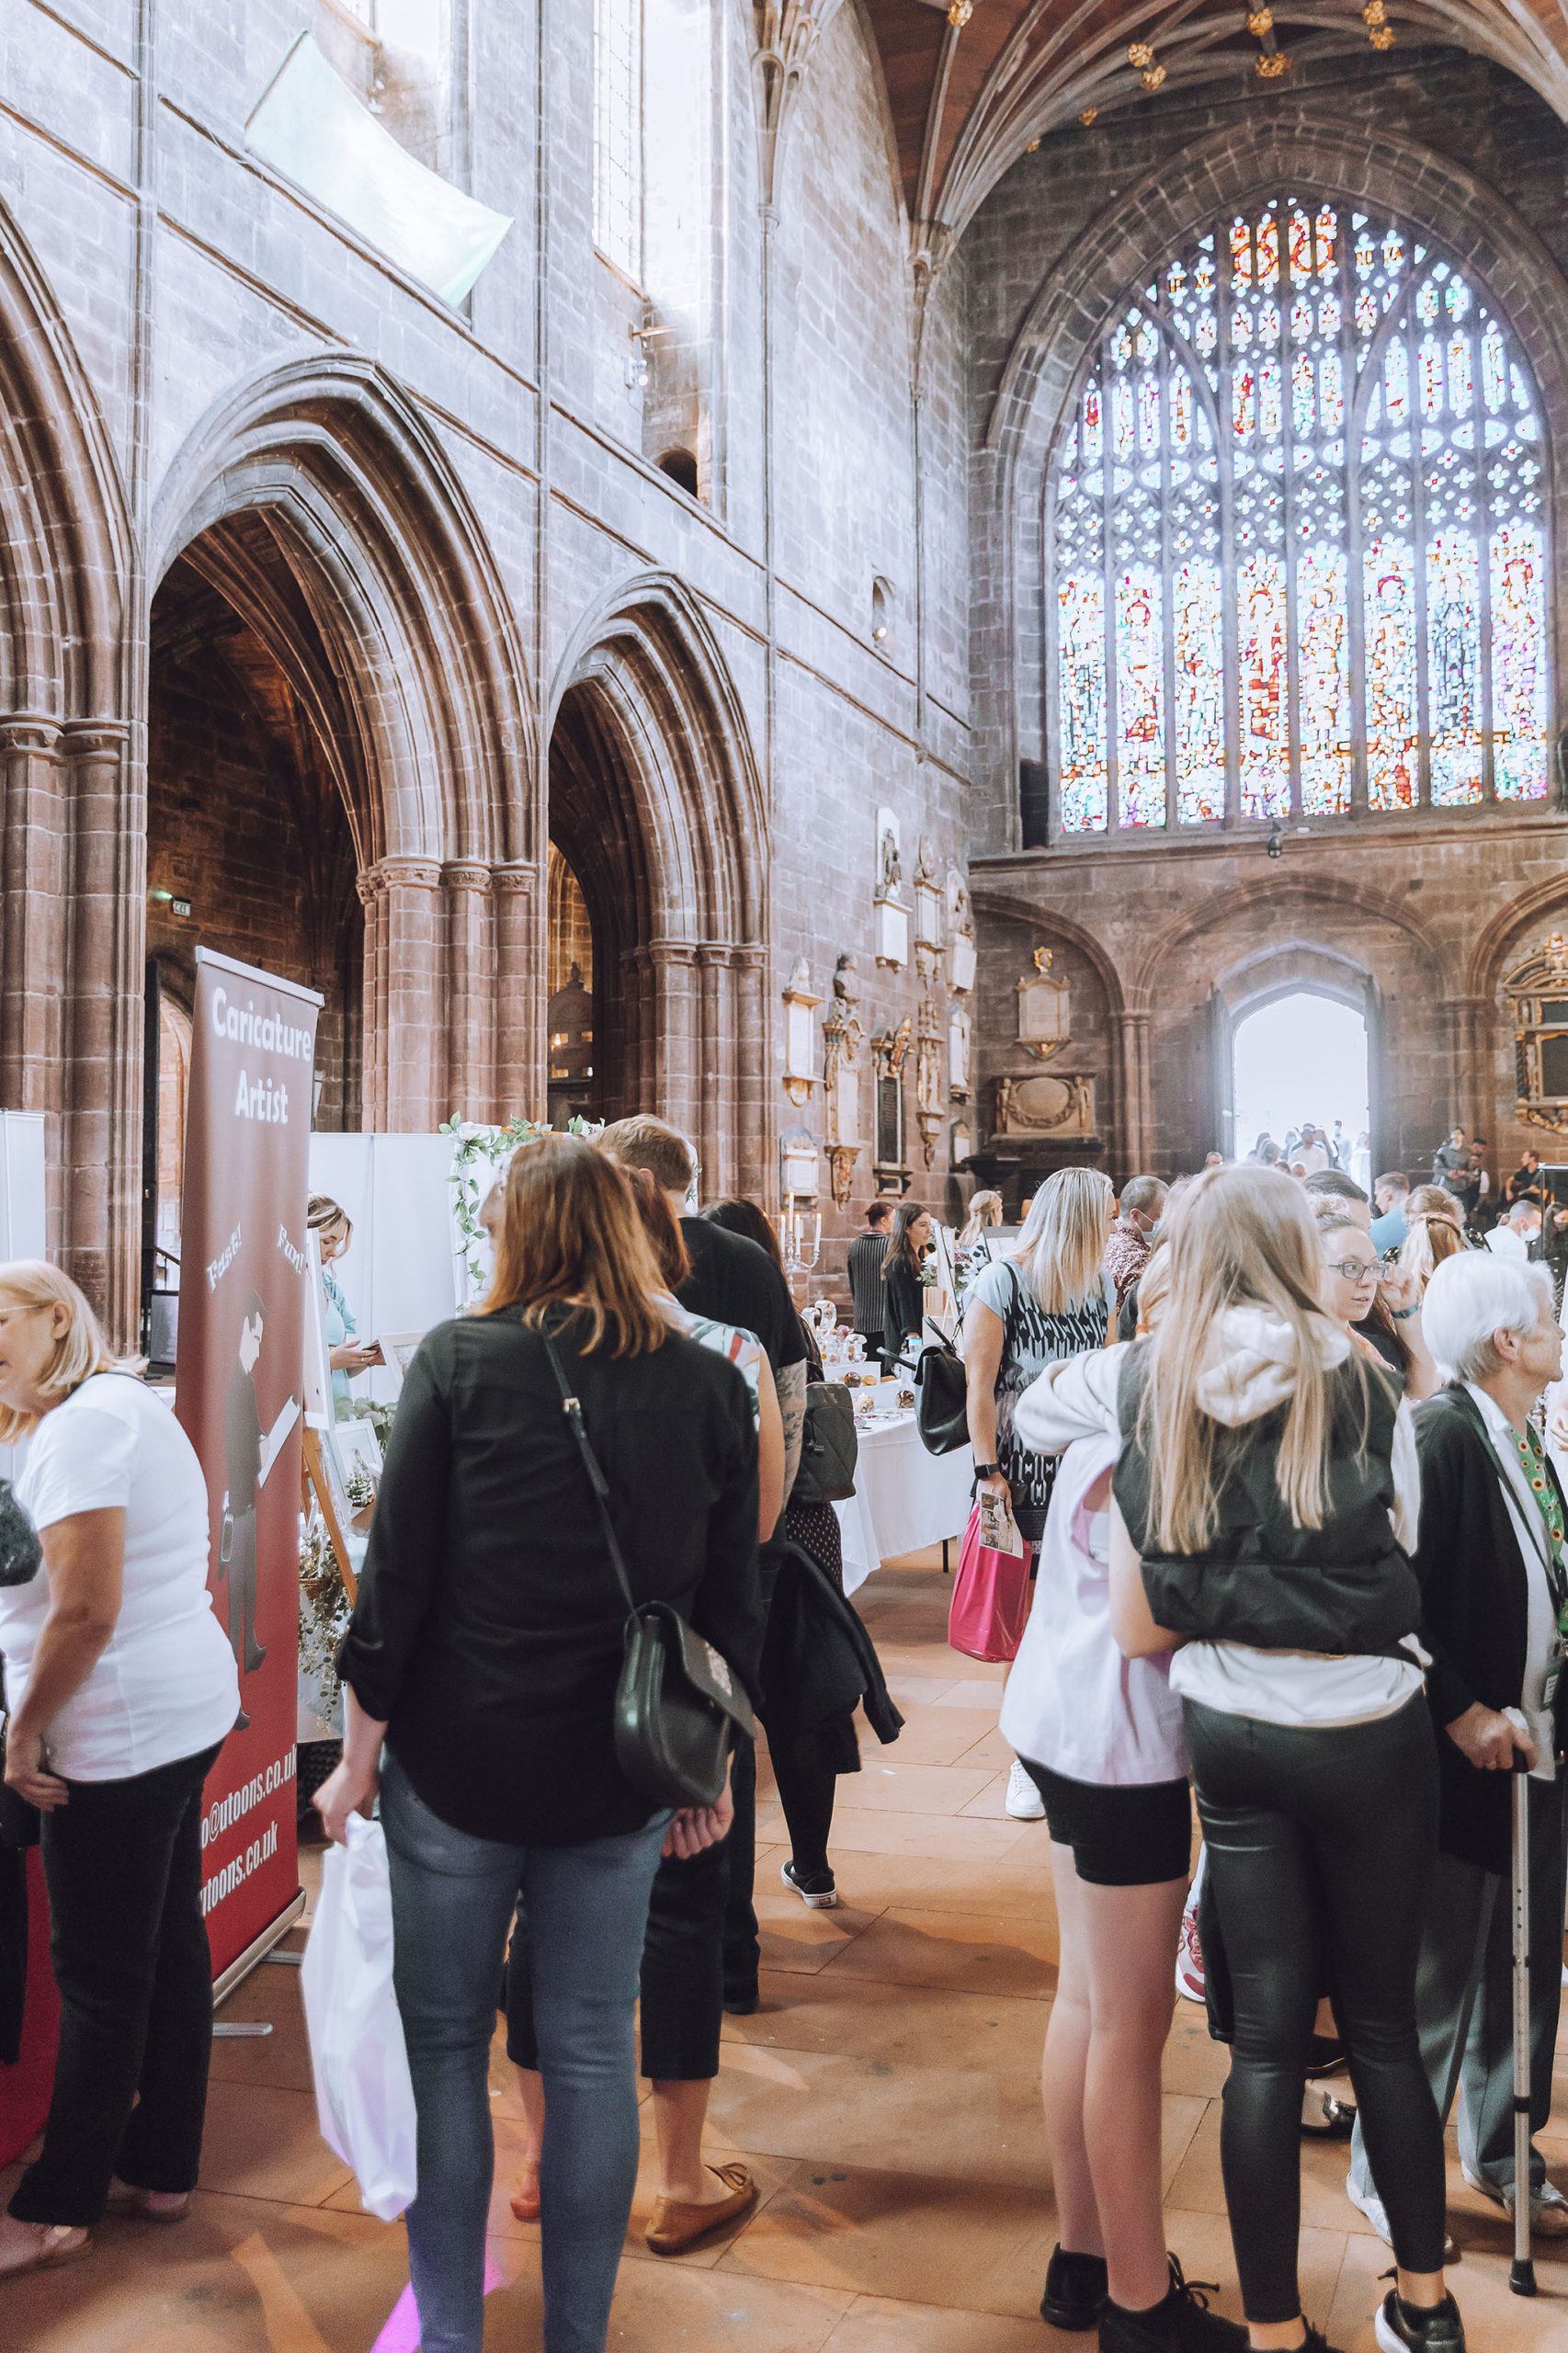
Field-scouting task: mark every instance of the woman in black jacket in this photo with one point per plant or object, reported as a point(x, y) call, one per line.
point(904, 1294)
point(485, 1649)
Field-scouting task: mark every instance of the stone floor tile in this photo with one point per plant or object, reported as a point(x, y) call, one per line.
point(970, 1952)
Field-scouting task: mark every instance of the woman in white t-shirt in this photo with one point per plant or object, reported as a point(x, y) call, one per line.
point(121, 1687)
point(1265, 1501)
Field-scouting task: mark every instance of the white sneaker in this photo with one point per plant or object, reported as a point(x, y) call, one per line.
point(1024, 1801)
point(1371, 2205)
point(1548, 2207)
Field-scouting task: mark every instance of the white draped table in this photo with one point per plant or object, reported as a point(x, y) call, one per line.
point(904, 1498)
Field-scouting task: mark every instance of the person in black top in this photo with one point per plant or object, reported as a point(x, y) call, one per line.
point(863, 1264)
point(485, 1649)
point(904, 1313)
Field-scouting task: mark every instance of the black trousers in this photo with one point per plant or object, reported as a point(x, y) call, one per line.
point(241, 1571)
point(122, 1862)
point(1321, 1845)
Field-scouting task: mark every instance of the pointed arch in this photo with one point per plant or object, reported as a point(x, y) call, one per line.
point(657, 802)
point(319, 501)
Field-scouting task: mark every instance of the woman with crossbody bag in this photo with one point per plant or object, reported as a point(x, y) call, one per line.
point(485, 1649)
point(1047, 1299)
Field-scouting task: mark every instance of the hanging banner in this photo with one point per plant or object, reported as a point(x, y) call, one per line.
point(238, 1394)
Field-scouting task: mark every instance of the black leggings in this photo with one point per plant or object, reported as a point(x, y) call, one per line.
point(1320, 1848)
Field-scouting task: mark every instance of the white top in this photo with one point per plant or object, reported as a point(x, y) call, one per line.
point(1315, 1690)
point(165, 1685)
point(1540, 1639)
point(1072, 1702)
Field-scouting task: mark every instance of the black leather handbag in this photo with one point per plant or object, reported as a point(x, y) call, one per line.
point(679, 1708)
point(941, 1410)
point(829, 1446)
point(20, 1551)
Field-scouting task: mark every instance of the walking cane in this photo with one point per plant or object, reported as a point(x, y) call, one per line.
point(1521, 2279)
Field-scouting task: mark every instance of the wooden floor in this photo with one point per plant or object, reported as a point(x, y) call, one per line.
point(886, 2097)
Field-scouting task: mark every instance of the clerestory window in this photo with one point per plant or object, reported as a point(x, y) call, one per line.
point(617, 134)
point(1298, 539)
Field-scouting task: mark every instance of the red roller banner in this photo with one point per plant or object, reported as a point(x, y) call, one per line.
point(238, 1394)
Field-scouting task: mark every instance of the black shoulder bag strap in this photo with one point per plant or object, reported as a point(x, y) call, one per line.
point(572, 1405)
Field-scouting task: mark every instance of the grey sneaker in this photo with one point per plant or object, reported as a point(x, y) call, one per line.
point(1548, 2207)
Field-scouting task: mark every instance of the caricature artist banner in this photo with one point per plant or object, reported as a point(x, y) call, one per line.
point(238, 1394)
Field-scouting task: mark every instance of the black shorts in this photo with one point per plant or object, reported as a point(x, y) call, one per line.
point(1138, 1835)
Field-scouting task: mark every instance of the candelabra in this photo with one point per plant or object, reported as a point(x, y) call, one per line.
point(799, 1237)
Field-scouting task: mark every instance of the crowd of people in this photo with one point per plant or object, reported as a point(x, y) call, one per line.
point(1274, 1450)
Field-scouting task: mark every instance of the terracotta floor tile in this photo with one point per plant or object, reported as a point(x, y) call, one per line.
point(263, 2143)
point(945, 1836)
point(969, 1952)
point(866, 2113)
point(932, 1736)
point(901, 1787)
point(933, 2240)
point(979, 1687)
point(991, 1803)
point(661, 2305)
point(907, 2024)
point(878, 2324)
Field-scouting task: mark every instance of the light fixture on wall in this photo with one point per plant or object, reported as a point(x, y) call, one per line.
point(1276, 843)
point(959, 13)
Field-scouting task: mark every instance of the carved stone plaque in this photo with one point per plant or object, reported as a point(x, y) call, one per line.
point(1045, 1107)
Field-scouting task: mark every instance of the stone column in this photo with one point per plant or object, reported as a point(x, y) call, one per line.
point(470, 1027)
point(755, 1158)
point(1135, 1111)
point(370, 885)
point(32, 937)
point(677, 1030)
point(415, 1041)
point(519, 1085)
point(639, 1061)
point(101, 1208)
point(710, 1072)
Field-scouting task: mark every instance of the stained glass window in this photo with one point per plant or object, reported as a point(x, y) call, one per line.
point(1299, 538)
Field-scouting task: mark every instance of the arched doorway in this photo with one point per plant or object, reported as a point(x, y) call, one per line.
point(1300, 1057)
point(654, 812)
point(339, 787)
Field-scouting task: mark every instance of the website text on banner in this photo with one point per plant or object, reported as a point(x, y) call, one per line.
point(238, 1394)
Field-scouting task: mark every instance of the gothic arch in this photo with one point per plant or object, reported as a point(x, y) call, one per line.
point(1229, 168)
point(317, 500)
point(657, 805)
point(1278, 892)
point(73, 878)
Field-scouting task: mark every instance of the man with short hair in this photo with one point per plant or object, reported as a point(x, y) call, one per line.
point(1390, 1225)
point(1453, 1167)
point(1495, 1588)
point(1526, 1184)
point(865, 1258)
point(1518, 1236)
point(1312, 1151)
point(1132, 1234)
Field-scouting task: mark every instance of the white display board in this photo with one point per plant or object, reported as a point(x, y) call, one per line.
point(397, 1272)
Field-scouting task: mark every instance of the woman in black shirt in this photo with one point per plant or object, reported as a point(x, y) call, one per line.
point(484, 1648)
point(904, 1294)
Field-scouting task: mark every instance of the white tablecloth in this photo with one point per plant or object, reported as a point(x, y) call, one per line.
point(903, 1499)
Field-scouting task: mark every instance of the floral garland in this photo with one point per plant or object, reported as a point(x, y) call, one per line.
point(478, 1156)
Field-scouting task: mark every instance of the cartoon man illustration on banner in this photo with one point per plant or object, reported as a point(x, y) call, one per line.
point(249, 1456)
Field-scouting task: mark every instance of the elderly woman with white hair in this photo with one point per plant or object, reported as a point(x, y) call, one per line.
point(121, 1687)
point(1494, 1589)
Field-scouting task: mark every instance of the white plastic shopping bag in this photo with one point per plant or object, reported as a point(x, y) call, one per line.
point(364, 2098)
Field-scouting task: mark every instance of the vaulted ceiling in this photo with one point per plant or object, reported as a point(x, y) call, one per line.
point(972, 83)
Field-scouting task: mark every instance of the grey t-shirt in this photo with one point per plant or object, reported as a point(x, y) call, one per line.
point(1033, 1339)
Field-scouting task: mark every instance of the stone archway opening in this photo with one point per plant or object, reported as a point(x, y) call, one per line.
point(1300, 1057)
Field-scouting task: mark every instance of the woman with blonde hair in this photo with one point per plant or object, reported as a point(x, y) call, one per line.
point(484, 1652)
point(985, 1211)
point(1433, 1232)
point(1048, 1298)
point(121, 1687)
point(1266, 1505)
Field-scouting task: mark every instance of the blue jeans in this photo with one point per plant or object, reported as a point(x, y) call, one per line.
point(453, 1897)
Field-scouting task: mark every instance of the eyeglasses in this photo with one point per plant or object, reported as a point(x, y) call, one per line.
point(1354, 1270)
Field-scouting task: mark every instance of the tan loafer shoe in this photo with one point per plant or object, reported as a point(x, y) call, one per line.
point(677, 2225)
point(61, 2243)
point(151, 2205)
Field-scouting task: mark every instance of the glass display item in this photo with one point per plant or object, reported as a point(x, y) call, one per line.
point(1298, 539)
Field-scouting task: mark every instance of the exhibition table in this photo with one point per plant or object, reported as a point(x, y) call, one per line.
point(904, 1498)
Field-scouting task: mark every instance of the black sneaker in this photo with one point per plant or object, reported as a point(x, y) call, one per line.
point(1419, 2328)
point(1180, 2323)
point(817, 1892)
point(1074, 2290)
